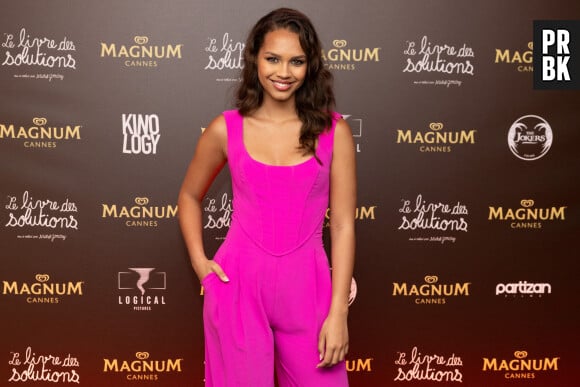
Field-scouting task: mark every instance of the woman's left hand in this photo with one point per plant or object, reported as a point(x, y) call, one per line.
point(333, 340)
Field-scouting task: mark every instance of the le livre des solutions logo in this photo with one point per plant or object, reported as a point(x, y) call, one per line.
point(556, 54)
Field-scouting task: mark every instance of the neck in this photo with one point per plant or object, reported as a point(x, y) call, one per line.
point(277, 110)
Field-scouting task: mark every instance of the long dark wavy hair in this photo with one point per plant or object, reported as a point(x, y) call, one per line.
point(314, 99)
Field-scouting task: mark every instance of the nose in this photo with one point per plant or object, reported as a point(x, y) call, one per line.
point(283, 70)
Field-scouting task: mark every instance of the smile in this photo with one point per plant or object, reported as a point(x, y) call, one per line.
point(282, 86)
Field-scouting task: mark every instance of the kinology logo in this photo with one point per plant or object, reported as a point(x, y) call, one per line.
point(140, 133)
point(40, 134)
point(436, 139)
point(141, 214)
point(521, 366)
point(527, 216)
point(440, 59)
point(141, 54)
point(341, 57)
point(142, 279)
point(23, 50)
point(530, 137)
point(142, 367)
point(431, 292)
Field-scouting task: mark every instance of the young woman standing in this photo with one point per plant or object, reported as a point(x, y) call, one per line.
point(271, 303)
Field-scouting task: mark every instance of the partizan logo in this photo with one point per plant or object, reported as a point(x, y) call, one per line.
point(431, 292)
point(530, 137)
point(341, 57)
point(141, 54)
point(142, 367)
point(522, 60)
point(40, 134)
point(141, 214)
point(42, 291)
point(523, 288)
point(521, 366)
point(436, 139)
point(527, 216)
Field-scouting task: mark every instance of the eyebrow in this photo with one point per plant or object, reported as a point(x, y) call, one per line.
point(294, 57)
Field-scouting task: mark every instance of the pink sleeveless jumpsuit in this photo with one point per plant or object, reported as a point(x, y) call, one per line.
point(271, 311)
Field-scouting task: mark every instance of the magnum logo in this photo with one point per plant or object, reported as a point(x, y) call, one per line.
point(42, 291)
point(359, 365)
point(431, 292)
point(361, 213)
point(435, 139)
point(141, 54)
point(527, 217)
point(342, 58)
point(520, 367)
point(142, 367)
point(39, 134)
point(523, 59)
point(141, 214)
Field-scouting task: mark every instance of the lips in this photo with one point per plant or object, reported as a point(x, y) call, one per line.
point(282, 86)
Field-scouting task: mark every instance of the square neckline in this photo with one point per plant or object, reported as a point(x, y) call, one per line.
point(308, 160)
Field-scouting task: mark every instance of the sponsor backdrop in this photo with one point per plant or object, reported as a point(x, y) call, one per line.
point(467, 208)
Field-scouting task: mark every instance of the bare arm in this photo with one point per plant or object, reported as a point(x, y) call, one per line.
point(209, 158)
point(333, 342)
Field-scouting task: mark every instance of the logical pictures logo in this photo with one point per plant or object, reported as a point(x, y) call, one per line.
point(523, 288)
point(40, 135)
point(225, 57)
point(431, 292)
point(142, 279)
point(140, 133)
point(530, 137)
point(141, 214)
point(24, 51)
point(527, 217)
point(520, 367)
point(435, 139)
point(427, 217)
point(522, 60)
point(342, 58)
point(42, 291)
point(442, 59)
point(141, 54)
point(430, 367)
point(356, 127)
point(33, 367)
point(47, 214)
point(142, 367)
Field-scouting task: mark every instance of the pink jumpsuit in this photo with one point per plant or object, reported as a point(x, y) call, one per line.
point(271, 311)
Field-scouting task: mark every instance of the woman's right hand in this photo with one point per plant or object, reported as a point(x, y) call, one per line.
point(210, 266)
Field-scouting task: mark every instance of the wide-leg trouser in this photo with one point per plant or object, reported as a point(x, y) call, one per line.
point(269, 315)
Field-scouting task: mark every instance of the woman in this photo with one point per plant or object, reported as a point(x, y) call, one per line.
point(270, 298)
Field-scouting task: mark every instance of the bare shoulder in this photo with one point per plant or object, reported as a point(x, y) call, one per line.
point(343, 136)
point(215, 136)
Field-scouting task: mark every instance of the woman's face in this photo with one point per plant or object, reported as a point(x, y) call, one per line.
point(281, 65)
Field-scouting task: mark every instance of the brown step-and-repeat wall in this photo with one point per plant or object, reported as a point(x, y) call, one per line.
point(467, 217)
